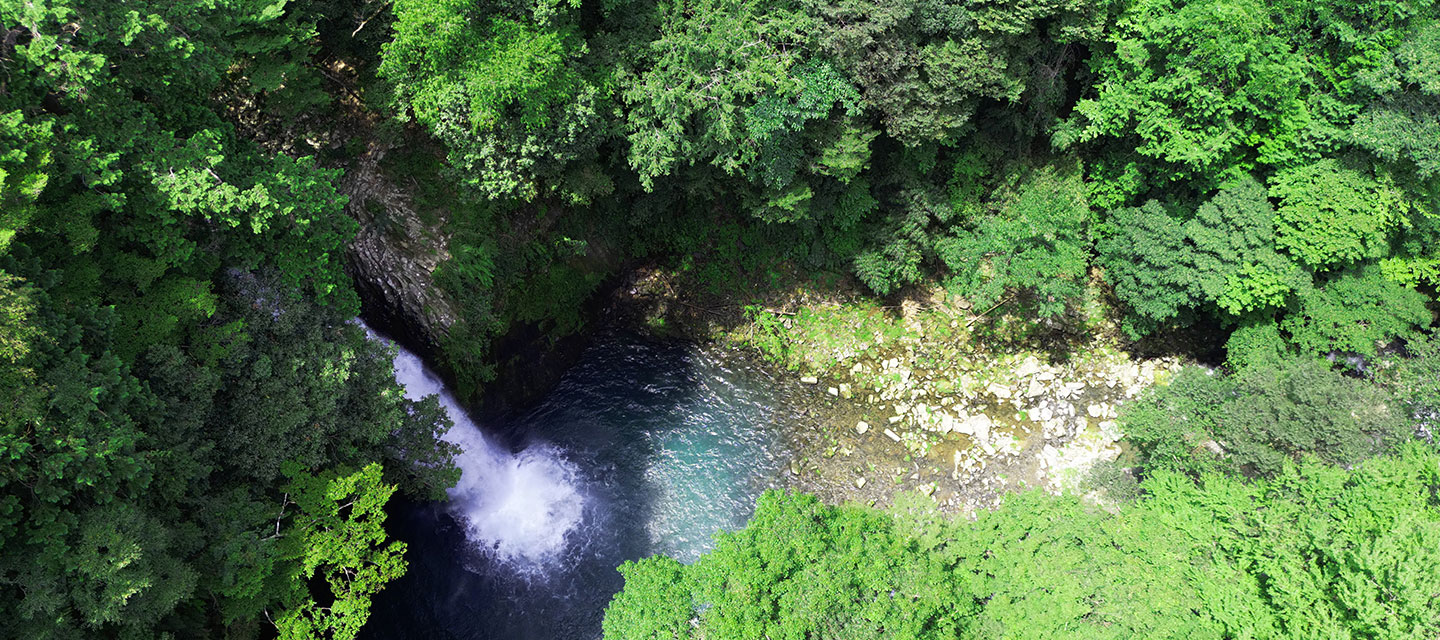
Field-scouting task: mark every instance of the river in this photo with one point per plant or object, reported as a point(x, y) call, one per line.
point(644, 447)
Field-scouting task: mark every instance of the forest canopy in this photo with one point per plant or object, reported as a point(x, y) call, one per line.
point(1236, 162)
point(196, 440)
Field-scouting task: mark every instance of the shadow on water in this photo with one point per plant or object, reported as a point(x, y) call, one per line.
point(667, 444)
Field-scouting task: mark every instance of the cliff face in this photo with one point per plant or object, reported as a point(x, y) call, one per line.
point(393, 259)
point(394, 256)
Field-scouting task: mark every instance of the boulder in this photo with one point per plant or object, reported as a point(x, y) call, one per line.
point(1029, 367)
point(1035, 390)
point(976, 426)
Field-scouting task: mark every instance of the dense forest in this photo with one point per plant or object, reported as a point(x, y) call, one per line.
point(197, 440)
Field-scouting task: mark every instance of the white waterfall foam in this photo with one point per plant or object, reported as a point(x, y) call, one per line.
point(518, 507)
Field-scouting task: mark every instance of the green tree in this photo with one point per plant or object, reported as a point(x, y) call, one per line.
point(1254, 421)
point(1150, 263)
point(1317, 550)
point(1332, 215)
point(337, 536)
point(1035, 247)
point(1402, 124)
point(1196, 87)
point(718, 78)
point(1358, 310)
point(1416, 380)
point(506, 93)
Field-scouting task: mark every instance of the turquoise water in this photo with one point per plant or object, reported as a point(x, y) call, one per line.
point(644, 448)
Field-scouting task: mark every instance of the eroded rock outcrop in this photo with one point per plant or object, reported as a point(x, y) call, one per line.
point(394, 256)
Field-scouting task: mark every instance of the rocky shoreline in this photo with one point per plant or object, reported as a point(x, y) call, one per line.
point(964, 437)
point(917, 408)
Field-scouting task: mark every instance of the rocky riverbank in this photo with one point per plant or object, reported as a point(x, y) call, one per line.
point(910, 399)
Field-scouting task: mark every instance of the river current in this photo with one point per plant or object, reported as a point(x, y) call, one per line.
point(644, 448)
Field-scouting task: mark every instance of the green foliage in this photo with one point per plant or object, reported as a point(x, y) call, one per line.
point(1256, 342)
point(176, 322)
point(1260, 418)
point(174, 315)
point(924, 68)
point(848, 125)
point(656, 602)
point(337, 536)
point(1317, 551)
point(1416, 261)
point(1222, 258)
point(801, 570)
point(1403, 124)
point(507, 95)
point(1150, 263)
point(813, 338)
point(720, 75)
point(1233, 235)
point(1416, 381)
point(1034, 247)
point(142, 474)
point(1195, 85)
point(774, 121)
point(1331, 215)
point(1358, 310)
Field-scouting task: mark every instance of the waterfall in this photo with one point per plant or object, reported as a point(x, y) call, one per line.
point(518, 507)
point(658, 444)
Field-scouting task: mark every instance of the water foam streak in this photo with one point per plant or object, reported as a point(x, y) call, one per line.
point(518, 507)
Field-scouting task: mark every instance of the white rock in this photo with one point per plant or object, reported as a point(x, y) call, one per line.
point(1036, 388)
point(833, 391)
point(1129, 373)
point(861, 427)
point(892, 435)
point(860, 483)
point(1095, 410)
point(998, 391)
point(809, 380)
point(1029, 367)
point(977, 426)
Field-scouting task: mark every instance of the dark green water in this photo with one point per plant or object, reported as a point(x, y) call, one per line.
point(644, 448)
